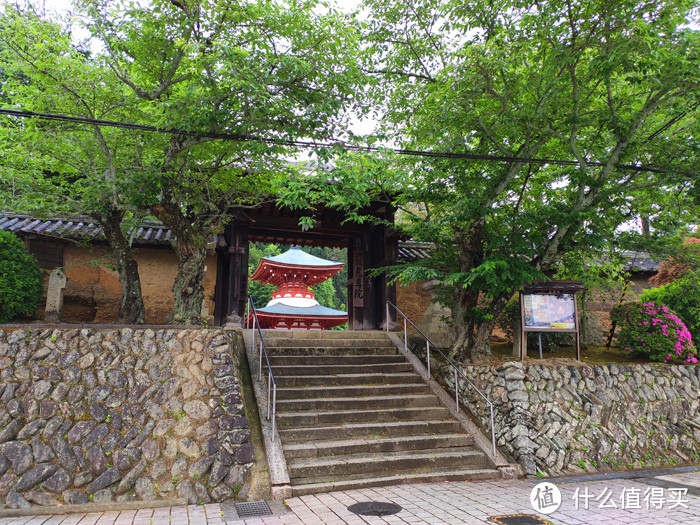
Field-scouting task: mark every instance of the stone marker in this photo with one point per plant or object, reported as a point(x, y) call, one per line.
point(54, 296)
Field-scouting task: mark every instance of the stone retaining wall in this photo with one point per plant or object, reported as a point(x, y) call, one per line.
point(571, 419)
point(105, 415)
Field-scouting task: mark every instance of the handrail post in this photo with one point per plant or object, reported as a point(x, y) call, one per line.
point(269, 388)
point(274, 407)
point(387, 317)
point(493, 430)
point(405, 335)
point(247, 313)
point(260, 351)
point(427, 353)
point(456, 389)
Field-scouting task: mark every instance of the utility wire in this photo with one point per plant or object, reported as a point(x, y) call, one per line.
point(314, 144)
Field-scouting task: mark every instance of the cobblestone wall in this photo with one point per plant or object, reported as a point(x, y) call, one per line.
point(570, 419)
point(119, 415)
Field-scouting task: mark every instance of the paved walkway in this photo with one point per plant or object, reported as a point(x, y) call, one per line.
point(659, 498)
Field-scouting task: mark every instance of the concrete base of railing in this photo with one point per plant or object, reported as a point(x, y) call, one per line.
point(276, 462)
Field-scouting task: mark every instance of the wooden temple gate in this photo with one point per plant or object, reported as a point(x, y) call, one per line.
point(369, 246)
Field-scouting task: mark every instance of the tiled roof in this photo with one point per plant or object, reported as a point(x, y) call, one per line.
point(81, 229)
point(156, 234)
point(640, 262)
point(410, 251)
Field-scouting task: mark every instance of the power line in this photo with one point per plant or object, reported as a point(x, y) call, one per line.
point(314, 144)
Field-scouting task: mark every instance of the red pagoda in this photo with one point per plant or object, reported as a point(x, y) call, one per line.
point(294, 304)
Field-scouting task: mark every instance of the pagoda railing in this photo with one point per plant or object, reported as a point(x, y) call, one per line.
point(262, 352)
point(457, 371)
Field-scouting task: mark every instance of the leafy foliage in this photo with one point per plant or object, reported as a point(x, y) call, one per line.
point(599, 85)
point(21, 280)
point(58, 168)
point(261, 293)
point(683, 297)
point(655, 331)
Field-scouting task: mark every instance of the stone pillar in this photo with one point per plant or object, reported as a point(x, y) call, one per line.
point(54, 296)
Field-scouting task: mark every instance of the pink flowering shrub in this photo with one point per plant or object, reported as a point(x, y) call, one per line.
point(655, 331)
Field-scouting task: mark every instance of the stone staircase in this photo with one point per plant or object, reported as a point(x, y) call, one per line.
point(352, 412)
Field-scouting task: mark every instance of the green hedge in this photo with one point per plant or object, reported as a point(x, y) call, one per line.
point(21, 279)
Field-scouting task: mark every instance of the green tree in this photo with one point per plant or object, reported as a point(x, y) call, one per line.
point(278, 70)
point(261, 293)
point(597, 84)
point(54, 168)
point(21, 281)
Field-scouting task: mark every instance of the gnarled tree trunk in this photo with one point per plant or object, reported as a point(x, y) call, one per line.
point(189, 244)
point(131, 310)
point(187, 289)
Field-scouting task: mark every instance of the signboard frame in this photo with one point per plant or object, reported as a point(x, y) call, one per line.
point(549, 289)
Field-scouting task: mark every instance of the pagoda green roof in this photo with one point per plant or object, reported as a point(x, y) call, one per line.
point(298, 311)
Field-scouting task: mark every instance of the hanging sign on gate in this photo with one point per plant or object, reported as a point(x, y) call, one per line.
point(358, 274)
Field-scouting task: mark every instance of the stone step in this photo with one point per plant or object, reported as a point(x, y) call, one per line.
point(316, 360)
point(350, 391)
point(280, 342)
point(380, 429)
point(288, 419)
point(325, 334)
point(355, 403)
point(330, 350)
point(383, 463)
point(302, 487)
point(346, 379)
point(326, 370)
point(375, 445)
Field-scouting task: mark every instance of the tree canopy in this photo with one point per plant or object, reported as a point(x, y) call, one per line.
point(604, 87)
point(201, 69)
point(559, 123)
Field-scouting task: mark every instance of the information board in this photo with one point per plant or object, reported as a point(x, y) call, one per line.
point(545, 312)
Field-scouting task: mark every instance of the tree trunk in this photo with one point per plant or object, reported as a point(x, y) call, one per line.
point(131, 310)
point(463, 303)
point(470, 253)
point(189, 244)
point(482, 342)
point(646, 229)
point(187, 289)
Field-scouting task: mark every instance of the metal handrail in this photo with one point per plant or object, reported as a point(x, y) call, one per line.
point(262, 351)
point(456, 369)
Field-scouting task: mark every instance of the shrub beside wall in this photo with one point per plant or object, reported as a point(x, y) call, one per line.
point(21, 282)
point(120, 415)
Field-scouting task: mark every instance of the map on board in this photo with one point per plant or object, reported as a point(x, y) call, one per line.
point(550, 312)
